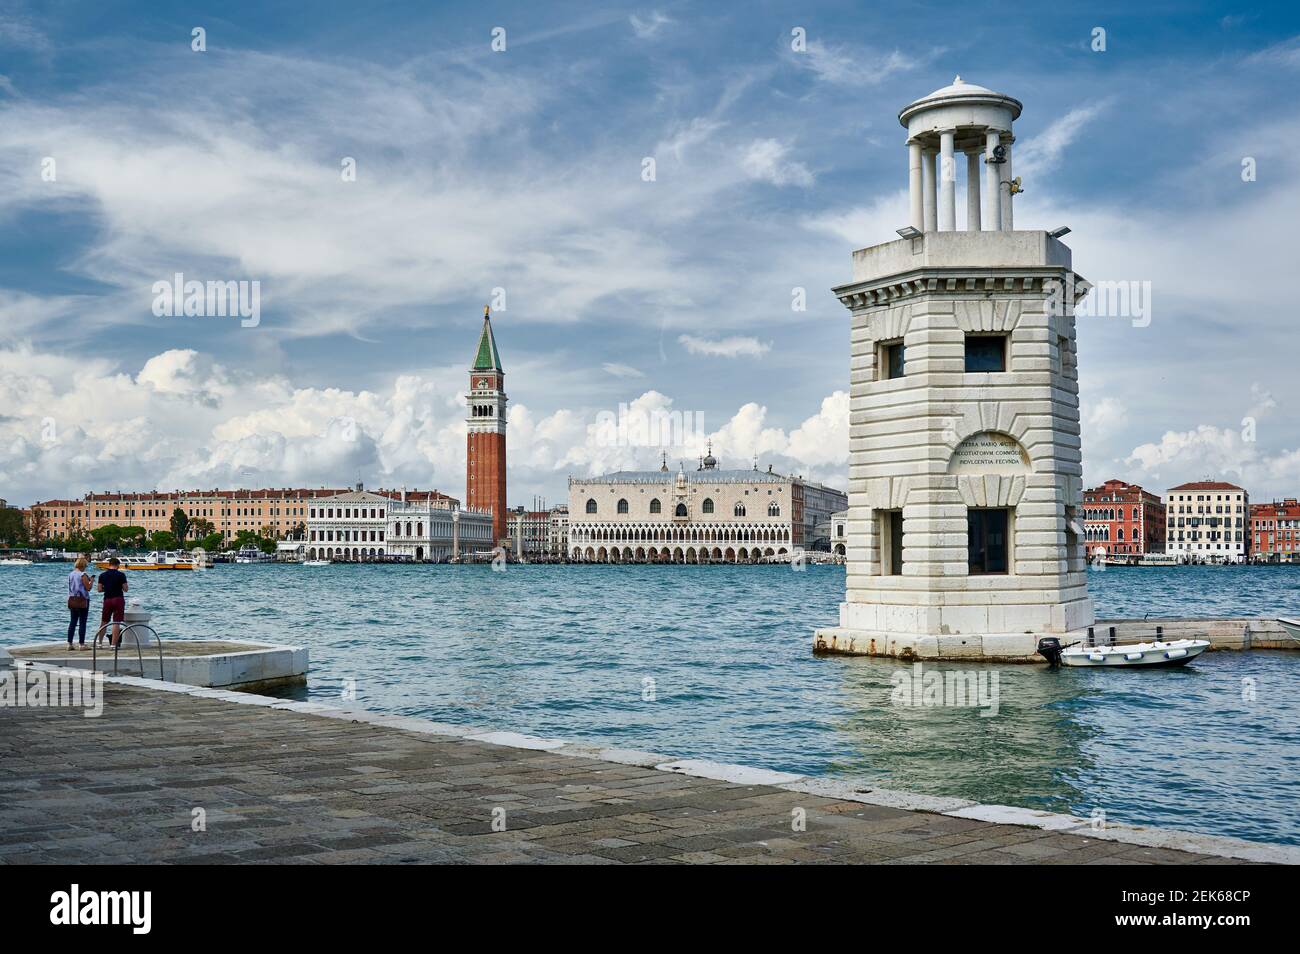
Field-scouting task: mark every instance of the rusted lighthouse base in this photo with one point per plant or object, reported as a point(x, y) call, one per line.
point(968, 647)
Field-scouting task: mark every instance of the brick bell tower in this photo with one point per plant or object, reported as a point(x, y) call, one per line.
point(485, 442)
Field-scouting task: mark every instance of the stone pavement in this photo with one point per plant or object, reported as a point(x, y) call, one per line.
point(285, 786)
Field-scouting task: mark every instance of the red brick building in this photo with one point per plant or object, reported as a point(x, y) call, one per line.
point(1275, 531)
point(1122, 519)
point(485, 442)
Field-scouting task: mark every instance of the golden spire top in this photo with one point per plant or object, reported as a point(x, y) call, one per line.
point(487, 311)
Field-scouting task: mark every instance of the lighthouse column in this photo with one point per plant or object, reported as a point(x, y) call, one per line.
point(947, 183)
point(992, 184)
point(916, 202)
point(973, 191)
point(927, 190)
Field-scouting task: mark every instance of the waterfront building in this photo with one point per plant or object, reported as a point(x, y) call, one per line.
point(1206, 522)
point(839, 532)
point(485, 440)
point(559, 531)
point(708, 515)
point(428, 526)
point(348, 526)
point(530, 533)
point(1275, 531)
point(273, 512)
point(965, 533)
point(1120, 518)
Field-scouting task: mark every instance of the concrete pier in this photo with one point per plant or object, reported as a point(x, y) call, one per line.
point(224, 777)
point(1223, 634)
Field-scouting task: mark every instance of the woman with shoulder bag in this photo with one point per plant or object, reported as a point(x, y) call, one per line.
point(78, 601)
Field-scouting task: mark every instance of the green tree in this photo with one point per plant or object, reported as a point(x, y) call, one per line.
point(201, 528)
point(180, 524)
point(212, 542)
point(13, 530)
point(266, 544)
point(133, 537)
point(107, 537)
point(163, 540)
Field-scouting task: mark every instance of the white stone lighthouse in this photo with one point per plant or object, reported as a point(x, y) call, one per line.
point(964, 531)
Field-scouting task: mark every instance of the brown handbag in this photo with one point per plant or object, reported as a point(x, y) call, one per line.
point(78, 602)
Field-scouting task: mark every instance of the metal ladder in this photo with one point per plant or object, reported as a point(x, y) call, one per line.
point(127, 628)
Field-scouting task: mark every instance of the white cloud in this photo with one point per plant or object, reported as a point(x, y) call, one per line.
point(734, 347)
point(853, 66)
point(184, 421)
point(1044, 151)
point(621, 370)
point(765, 160)
point(648, 27)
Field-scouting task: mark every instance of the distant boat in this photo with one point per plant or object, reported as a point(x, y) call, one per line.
point(15, 561)
point(316, 562)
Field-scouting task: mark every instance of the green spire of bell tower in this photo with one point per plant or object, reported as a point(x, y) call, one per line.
point(488, 358)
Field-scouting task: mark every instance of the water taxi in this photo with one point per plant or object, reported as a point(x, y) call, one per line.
point(155, 561)
point(15, 561)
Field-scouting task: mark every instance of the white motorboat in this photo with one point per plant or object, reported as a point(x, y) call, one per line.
point(15, 561)
point(315, 562)
point(1292, 627)
point(1153, 655)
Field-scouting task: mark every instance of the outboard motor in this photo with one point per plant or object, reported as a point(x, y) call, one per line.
point(1049, 647)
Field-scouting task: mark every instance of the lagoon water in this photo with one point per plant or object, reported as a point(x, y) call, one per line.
point(715, 662)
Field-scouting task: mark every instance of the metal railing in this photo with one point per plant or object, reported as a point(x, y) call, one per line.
point(1112, 638)
point(139, 653)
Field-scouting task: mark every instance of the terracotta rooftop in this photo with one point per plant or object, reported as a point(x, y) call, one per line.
point(1206, 485)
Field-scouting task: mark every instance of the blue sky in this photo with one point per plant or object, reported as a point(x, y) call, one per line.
point(522, 170)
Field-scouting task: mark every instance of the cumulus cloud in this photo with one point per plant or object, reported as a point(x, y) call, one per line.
point(184, 421)
point(734, 347)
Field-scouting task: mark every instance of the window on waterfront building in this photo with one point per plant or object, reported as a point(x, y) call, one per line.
point(591, 506)
point(889, 527)
point(774, 509)
point(655, 506)
point(987, 532)
point(891, 359)
point(739, 510)
point(680, 511)
point(622, 506)
point(986, 353)
point(708, 505)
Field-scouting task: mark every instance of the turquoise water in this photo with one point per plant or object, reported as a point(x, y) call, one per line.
point(566, 651)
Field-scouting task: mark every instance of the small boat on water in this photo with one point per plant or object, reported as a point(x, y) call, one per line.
point(155, 561)
point(316, 562)
point(1152, 655)
point(15, 561)
point(1292, 627)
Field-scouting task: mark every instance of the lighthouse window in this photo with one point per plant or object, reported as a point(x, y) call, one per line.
point(986, 352)
point(987, 532)
point(891, 359)
point(890, 527)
